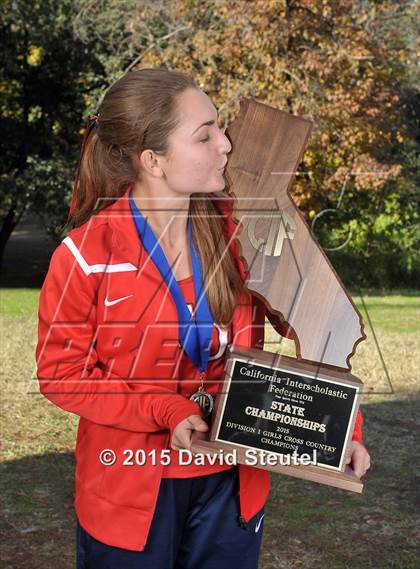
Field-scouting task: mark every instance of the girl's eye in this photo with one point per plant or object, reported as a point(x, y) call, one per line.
point(205, 139)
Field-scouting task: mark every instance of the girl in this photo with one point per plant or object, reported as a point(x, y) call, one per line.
point(139, 304)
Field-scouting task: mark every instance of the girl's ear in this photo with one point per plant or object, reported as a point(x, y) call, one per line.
point(150, 162)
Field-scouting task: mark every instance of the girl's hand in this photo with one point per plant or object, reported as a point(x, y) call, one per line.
point(359, 458)
point(187, 431)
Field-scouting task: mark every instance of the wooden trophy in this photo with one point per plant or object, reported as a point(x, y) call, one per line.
point(272, 406)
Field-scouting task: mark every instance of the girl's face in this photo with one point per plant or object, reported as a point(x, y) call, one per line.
point(197, 148)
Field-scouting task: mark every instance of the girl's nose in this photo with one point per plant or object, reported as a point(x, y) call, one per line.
point(227, 144)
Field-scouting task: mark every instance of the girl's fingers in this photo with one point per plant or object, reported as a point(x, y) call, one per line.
point(180, 443)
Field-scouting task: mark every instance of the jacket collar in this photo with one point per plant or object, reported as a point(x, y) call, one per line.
point(124, 234)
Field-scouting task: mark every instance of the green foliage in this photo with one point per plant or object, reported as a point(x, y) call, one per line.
point(348, 67)
point(46, 75)
point(384, 229)
point(55, 177)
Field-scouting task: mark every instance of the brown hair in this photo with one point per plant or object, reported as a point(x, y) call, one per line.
point(139, 112)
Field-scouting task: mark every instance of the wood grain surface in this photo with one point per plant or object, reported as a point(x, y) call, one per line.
point(287, 267)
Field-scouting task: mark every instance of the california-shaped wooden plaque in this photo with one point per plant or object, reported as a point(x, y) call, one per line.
point(288, 270)
point(287, 267)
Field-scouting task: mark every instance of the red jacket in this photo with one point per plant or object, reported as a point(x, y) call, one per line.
point(115, 365)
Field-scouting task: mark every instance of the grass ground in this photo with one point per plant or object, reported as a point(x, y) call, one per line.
point(306, 525)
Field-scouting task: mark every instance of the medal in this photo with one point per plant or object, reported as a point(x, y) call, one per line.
point(203, 398)
point(195, 331)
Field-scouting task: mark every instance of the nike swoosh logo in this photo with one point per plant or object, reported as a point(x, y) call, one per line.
point(257, 527)
point(116, 301)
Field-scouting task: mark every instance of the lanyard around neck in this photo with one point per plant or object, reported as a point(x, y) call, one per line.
point(195, 334)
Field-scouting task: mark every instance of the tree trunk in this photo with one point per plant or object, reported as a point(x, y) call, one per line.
point(9, 223)
point(12, 218)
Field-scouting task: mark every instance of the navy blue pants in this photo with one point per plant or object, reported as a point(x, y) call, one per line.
point(196, 525)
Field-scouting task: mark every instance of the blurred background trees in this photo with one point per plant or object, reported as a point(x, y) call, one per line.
point(46, 77)
point(348, 66)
